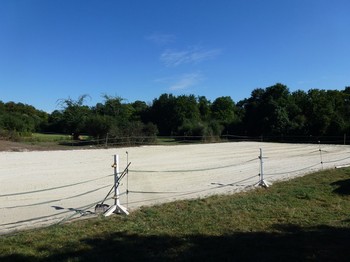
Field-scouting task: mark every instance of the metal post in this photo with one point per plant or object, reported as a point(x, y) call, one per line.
point(117, 206)
point(261, 166)
point(127, 180)
point(262, 181)
point(116, 173)
point(319, 149)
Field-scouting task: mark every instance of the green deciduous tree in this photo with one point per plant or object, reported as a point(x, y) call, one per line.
point(223, 109)
point(162, 113)
point(21, 119)
point(75, 116)
point(266, 111)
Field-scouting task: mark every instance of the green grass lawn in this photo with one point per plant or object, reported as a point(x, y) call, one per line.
point(166, 141)
point(305, 219)
point(50, 137)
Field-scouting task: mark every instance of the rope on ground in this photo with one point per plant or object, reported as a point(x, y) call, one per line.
point(82, 210)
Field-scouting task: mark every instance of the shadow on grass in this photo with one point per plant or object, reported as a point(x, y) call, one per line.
point(288, 243)
point(343, 187)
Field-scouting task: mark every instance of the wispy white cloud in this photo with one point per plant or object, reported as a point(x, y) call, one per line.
point(161, 39)
point(173, 58)
point(181, 82)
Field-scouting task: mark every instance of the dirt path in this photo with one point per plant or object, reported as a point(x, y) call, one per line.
point(44, 187)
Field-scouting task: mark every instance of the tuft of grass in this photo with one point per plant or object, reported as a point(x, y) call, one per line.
point(305, 219)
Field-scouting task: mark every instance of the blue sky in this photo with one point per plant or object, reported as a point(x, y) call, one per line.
point(138, 50)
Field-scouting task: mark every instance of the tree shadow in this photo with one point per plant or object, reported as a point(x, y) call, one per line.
point(343, 187)
point(287, 243)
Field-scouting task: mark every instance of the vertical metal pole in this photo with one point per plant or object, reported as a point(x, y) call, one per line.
point(115, 180)
point(127, 180)
point(117, 186)
point(319, 146)
point(344, 138)
point(261, 166)
point(116, 177)
point(262, 182)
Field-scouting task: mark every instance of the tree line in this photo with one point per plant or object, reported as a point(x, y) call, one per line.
point(270, 112)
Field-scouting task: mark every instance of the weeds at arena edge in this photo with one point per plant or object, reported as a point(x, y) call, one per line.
point(305, 219)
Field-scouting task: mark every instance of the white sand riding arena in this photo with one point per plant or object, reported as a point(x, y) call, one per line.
point(46, 187)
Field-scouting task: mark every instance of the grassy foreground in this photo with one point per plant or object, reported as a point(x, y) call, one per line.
point(305, 219)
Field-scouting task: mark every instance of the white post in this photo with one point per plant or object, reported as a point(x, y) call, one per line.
point(262, 181)
point(127, 180)
point(261, 165)
point(116, 178)
point(117, 206)
point(319, 149)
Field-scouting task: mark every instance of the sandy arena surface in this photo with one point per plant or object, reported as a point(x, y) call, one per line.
point(46, 187)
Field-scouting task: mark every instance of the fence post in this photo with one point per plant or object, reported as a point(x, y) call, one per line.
point(319, 149)
point(106, 141)
point(116, 176)
point(262, 181)
point(117, 206)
